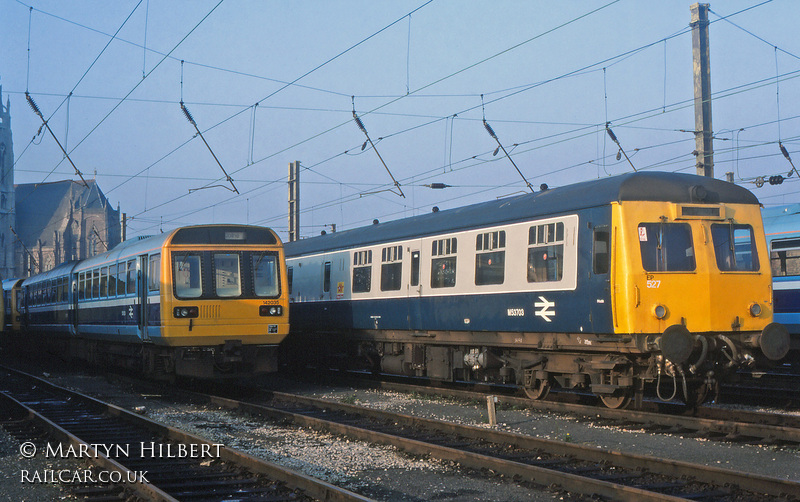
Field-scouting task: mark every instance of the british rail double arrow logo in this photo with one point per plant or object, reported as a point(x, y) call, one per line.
point(544, 307)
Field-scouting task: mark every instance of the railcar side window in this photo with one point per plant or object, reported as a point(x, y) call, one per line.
point(490, 258)
point(362, 271)
point(600, 252)
point(443, 269)
point(96, 283)
point(228, 276)
point(415, 268)
point(187, 275)
point(121, 274)
point(785, 257)
point(131, 281)
point(154, 273)
point(666, 247)
point(546, 252)
point(103, 282)
point(112, 281)
point(391, 268)
point(290, 277)
point(265, 274)
point(734, 247)
point(326, 277)
point(82, 286)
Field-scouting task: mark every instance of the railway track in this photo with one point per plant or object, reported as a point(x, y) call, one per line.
point(573, 468)
point(132, 456)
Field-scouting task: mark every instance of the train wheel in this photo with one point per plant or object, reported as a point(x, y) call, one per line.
point(617, 401)
point(539, 390)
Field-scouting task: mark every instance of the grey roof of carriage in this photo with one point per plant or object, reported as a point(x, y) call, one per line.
point(639, 186)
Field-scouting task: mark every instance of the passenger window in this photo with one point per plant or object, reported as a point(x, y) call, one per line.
point(121, 274)
point(600, 251)
point(227, 274)
point(131, 281)
point(103, 282)
point(362, 271)
point(391, 268)
point(546, 252)
point(443, 263)
point(785, 257)
point(187, 275)
point(96, 283)
point(290, 277)
point(666, 247)
point(81, 286)
point(490, 258)
point(154, 274)
point(734, 247)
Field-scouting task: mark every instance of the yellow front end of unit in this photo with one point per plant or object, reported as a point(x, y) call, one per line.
point(706, 296)
point(221, 320)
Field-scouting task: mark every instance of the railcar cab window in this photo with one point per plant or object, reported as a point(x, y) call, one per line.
point(228, 277)
point(154, 274)
point(187, 275)
point(362, 271)
point(666, 247)
point(391, 268)
point(265, 274)
point(734, 247)
point(546, 252)
point(490, 258)
point(443, 263)
point(785, 257)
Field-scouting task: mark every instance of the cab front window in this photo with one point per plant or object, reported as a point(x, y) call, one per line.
point(734, 247)
point(188, 275)
point(666, 247)
point(265, 274)
point(227, 275)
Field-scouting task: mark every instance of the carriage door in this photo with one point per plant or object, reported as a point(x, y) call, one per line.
point(141, 291)
point(414, 291)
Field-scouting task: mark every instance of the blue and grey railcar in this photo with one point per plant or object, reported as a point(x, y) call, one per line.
point(782, 227)
point(580, 286)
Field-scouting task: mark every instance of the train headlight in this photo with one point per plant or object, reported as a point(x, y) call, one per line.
point(185, 312)
point(755, 309)
point(660, 311)
point(270, 310)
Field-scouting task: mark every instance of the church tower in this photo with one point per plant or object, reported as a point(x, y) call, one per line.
point(7, 202)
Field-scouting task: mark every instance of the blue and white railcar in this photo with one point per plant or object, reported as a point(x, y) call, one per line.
point(203, 301)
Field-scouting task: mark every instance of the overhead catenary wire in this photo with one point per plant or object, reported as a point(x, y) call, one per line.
point(227, 176)
point(500, 145)
point(360, 125)
point(440, 169)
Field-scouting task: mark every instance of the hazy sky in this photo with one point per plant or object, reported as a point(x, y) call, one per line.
point(551, 75)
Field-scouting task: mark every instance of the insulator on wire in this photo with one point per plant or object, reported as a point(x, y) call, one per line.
point(776, 180)
point(489, 129)
point(188, 115)
point(784, 151)
point(438, 186)
point(359, 123)
point(612, 135)
point(32, 104)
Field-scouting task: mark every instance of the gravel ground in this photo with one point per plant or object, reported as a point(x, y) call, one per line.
point(384, 473)
point(767, 460)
